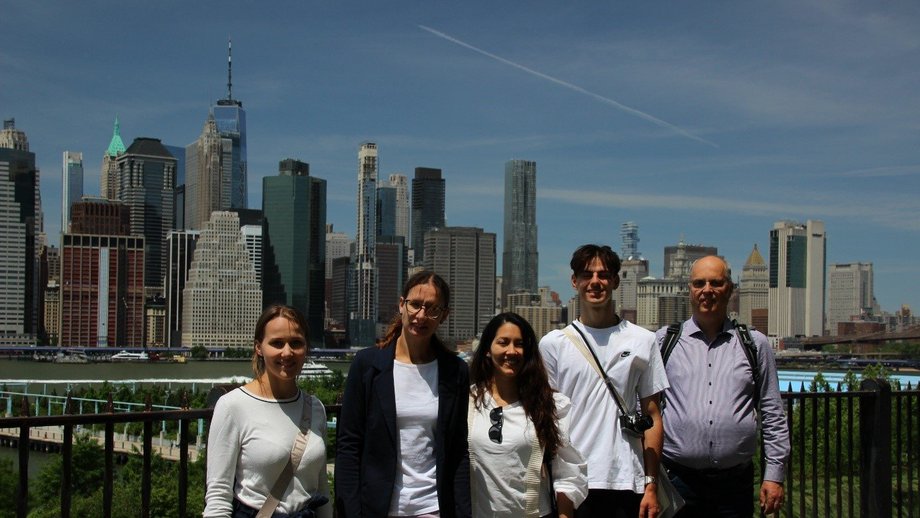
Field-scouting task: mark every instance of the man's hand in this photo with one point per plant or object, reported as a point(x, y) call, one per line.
point(771, 496)
point(648, 508)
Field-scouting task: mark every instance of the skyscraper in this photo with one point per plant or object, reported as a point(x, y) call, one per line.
point(519, 256)
point(386, 210)
point(178, 152)
point(427, 207)
point(71, 184)
point(401, 184)
point(633, 268)
point(629, 232)
point(209, 175)
point(686, 254)
point(102, 278)
point(797, 279)
point(146, 181)
point(108, 178)
point(753, 291)
point(465, 258)
point(231, 124)
point(849, 294)
point(20, 215)
point(362, 323)
point(222, 299)
point(294, 242)
point(181, 247)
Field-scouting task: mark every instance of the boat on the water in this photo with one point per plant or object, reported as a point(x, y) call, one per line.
point(125, 356)
point(71, 357)
point(313, 370)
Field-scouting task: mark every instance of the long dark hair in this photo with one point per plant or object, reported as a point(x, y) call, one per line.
point(418, 278)
point(533, 383)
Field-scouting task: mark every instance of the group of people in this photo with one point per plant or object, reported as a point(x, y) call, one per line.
point(586, 422)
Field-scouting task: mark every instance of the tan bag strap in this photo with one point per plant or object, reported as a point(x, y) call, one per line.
point(300, 445)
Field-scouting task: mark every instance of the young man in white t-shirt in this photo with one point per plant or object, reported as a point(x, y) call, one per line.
point(622, 467)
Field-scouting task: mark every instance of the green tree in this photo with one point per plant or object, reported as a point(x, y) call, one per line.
point(199, 352)
point(9, 484)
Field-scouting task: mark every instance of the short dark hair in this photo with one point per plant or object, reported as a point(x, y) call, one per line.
point(587, 253)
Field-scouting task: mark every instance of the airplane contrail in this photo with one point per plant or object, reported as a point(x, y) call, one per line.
point(570, 86)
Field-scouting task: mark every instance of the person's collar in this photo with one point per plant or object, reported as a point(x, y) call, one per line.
point(693, 327)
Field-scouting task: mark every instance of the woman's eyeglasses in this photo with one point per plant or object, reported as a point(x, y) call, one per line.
point(496, 416)
point(433, 311)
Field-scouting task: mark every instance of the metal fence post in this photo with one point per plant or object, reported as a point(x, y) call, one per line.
point(875, 449)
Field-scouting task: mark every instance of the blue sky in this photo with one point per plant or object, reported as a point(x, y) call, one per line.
point(702, 120)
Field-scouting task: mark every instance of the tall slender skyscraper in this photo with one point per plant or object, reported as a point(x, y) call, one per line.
point(386, 210)
point(231, 123)
point(209, 179)
point(519, 256)
point(20, 210)
point(362, 324)
point(797, 279)
point(71, 184)
point(146, 182)
point(401, 184)
point(294, 242)
point(633, 268)
point(427, 207)
point(629, 232)
point(181, 247)
point(108, 178)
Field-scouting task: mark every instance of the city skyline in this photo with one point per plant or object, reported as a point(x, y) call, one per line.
point(651, 114)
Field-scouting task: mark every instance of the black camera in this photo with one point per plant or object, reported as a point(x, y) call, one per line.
point(635, 424)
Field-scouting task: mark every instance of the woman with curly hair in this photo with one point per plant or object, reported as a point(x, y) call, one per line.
point(521, 460)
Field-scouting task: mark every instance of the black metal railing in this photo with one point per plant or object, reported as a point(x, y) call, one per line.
point(854, 453)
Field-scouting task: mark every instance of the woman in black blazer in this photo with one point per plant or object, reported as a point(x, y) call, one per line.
point(401, 447)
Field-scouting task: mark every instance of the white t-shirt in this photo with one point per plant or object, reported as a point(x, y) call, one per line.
point(250, 442)
point(633, 363)
point(416, 488)
point(498, 471)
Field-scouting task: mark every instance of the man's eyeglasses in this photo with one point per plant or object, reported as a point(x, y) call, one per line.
point(701, 283)
point(496, 416)
point(433, 311)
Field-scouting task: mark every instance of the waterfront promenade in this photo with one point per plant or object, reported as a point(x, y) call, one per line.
point(49, 437)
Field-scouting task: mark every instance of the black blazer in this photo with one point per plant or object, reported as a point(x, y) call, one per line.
point(367, 438)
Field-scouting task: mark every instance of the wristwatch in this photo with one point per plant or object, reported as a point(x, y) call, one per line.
point(650, 480)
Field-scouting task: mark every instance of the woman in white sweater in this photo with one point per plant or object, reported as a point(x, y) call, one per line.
point(518, 429)
point(255, 426)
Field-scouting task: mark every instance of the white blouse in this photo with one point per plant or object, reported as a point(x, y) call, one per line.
point(498, 471)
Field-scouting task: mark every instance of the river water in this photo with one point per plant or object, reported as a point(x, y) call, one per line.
point(43, 377)
point(18, 375)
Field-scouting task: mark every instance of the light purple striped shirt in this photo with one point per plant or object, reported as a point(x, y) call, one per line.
point(709, 416)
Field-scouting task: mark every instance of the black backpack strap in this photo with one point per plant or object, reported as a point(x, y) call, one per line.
point(670, 340)
point(750, 350)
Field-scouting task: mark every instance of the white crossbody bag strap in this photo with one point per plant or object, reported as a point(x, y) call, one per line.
point(300, 445)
